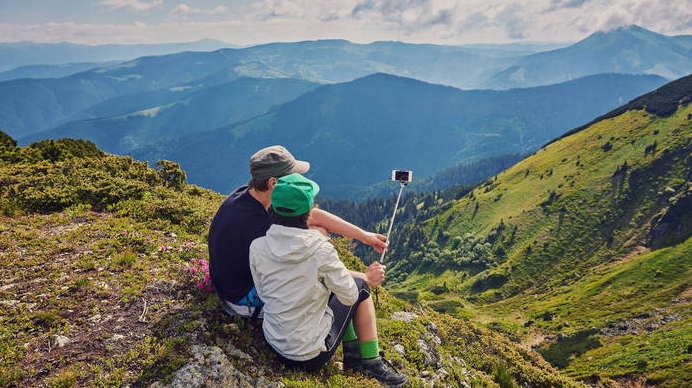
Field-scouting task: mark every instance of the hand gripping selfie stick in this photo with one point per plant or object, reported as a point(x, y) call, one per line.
point(403, 177)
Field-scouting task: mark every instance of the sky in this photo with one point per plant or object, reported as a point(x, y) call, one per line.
point(246, 22)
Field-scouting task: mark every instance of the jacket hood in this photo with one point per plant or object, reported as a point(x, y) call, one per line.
point(293, 244)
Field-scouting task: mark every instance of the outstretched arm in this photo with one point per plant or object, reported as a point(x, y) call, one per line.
point(334, 224)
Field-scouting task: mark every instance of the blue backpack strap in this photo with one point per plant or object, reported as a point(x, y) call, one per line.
point(254, 300)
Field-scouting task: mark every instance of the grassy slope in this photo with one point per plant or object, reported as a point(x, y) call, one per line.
point(94, 246)
point(577, 255)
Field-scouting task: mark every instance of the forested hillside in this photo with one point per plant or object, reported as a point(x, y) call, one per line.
point(158, 117)
point(103, 262)
point(355, 133)
point(582, 249)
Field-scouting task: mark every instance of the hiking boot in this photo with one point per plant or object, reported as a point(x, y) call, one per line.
point(351, 354)
point(378, 368)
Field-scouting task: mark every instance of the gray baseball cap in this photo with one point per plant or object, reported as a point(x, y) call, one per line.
point(275, 161)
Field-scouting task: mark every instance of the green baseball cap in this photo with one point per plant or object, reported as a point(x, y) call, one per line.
point(293, 195)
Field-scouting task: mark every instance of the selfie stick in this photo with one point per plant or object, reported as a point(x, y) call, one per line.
point(391, 223)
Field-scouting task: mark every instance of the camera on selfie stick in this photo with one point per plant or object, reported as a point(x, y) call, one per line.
point(403, 177)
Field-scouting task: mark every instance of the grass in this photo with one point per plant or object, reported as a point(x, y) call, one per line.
point(662, 356)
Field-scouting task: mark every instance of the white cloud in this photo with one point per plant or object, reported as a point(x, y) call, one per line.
point(184, 9)
point(433, 21)
point(135, 5)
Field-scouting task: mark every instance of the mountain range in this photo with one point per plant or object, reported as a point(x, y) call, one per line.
point(355, 133)
point(631, 50)
point(30, 106)
point(16, 54)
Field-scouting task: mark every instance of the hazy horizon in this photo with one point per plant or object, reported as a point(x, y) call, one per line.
point(248, 23)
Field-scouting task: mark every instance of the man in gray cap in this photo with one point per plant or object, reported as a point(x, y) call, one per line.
point(246, 215)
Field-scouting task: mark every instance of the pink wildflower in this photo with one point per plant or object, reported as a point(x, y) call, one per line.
point(193, 269)
point(194, 261)
point(210, 288)
point(47, 296)
point(200, 285)
point(124, 232)
point(203, 263)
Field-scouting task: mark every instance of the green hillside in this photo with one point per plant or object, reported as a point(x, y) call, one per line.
point(95, 252)
point(584, 247)
point(355, 133)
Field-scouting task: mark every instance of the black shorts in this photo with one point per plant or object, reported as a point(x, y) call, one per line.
point(342, 316)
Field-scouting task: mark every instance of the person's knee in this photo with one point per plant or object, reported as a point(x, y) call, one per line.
point(363, 289)
point(362, 284)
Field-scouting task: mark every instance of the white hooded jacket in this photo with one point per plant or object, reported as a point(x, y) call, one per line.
point(294, 271)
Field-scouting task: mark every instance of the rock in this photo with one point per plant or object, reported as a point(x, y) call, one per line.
point(58, 340)
point(339, 365)
point(231, 350)
point(95, 318)
point(565, 324)
point(669, 191)
point(403, 316)
point(529, 323)
point(425, 373)
point(7, 287)
point(431, 327)
point(231, 328)
point(9, 303)
point(399, 348)
point(431, 356)
point(172, 235)
point(210, 368)
point(116, 338)
point(460, 361)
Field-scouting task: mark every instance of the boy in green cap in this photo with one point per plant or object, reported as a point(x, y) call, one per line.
point(311, 301)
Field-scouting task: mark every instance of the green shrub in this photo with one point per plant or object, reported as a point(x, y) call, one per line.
point(559, 353)
point(502, 377)
point(125, 259)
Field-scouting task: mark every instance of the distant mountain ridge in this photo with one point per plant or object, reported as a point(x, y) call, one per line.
point(51, 71)
point(354, 133)
point(30, 106)
point(631, 50)
point(18, 54)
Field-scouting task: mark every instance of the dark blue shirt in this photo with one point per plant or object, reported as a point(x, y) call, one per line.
point(239, 220)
